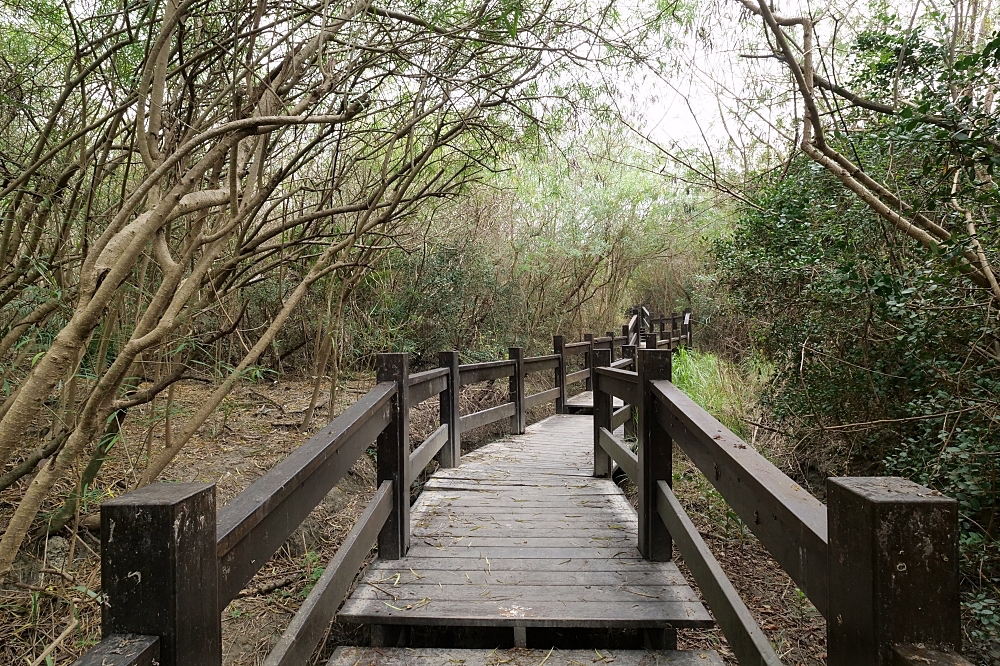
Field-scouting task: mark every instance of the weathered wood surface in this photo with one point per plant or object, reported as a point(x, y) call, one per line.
point(585, 401)
point(745, 637)
point(123, 650)
point(311, 623)
point(521, 535)
point(352, 656)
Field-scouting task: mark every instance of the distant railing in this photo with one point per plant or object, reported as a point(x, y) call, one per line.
point(879, 560)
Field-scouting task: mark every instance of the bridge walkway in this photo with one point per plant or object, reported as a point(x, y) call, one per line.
point(521, 535)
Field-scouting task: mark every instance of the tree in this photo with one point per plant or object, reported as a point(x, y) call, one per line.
point(194, 149)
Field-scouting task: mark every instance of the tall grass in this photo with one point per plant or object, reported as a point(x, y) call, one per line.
point(726, 390)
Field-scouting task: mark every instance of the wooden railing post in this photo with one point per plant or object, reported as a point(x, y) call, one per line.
point(451, 452)
point(393, 464)
point(655, 456)
point(628, 351)
point(689, 328)
point(559, 347)
point(649, 339)
point(611, 344)
point(603, 408)
point(893, 569)
point(588, 361)
point(160, 570)
point(675, 334)
point(517, 390)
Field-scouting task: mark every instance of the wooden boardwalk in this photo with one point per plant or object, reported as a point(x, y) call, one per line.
point(521, 535)
point(583, 403)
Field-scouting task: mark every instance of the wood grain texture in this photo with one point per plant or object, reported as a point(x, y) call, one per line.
point(521, 535)
point(351, 656)
point(585, 400)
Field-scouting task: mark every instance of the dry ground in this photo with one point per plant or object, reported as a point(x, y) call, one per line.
point(53, 603)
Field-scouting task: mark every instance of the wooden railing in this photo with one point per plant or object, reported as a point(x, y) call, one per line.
point(170, 563)
point(671, 330)
point(879, 560)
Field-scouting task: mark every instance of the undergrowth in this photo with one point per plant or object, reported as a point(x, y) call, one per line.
point(726, 390)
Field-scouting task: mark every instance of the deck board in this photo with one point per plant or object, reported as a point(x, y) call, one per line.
point(583, 403)
point(521, 535)
point(351, 656)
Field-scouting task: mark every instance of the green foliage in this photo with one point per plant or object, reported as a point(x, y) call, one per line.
point(725, 390)
point(422, 304)
point(886, 360)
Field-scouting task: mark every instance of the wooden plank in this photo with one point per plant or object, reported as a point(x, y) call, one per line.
point(748, 642)
point(424, 453)
point(413, 592)
point(541, 397)
point(311, 622)
point(550, 579)
point(474, 373)
point(427, 375)
point(476, 541)
point(620, 453)
point(487, 416)
point(527, 553)
point(619, 383)
point(541, 363)
point(620, 417)
point(428, 388)
point(516, 564)
point(551, 613)
point(259, 520)
point(791, 523)
point(123, 650)
point(574, 348)
point(622, 363)
point(352, 656)
point(578, 376)
point(918, 655)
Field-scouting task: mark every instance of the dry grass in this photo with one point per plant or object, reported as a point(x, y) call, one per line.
point(256, 428)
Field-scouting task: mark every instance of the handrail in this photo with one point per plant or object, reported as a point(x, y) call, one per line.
point(425, 385)
point(745, 638)
point(310, 623)
point(423, 454)
point(425, 376)
point(541, 363)
point(620, 453)
point(256, 523)
point(791, 523)
point(619, 383)
point(473, 373)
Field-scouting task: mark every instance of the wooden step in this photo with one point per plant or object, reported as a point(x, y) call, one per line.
point(353, 656)
point(494, 544)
